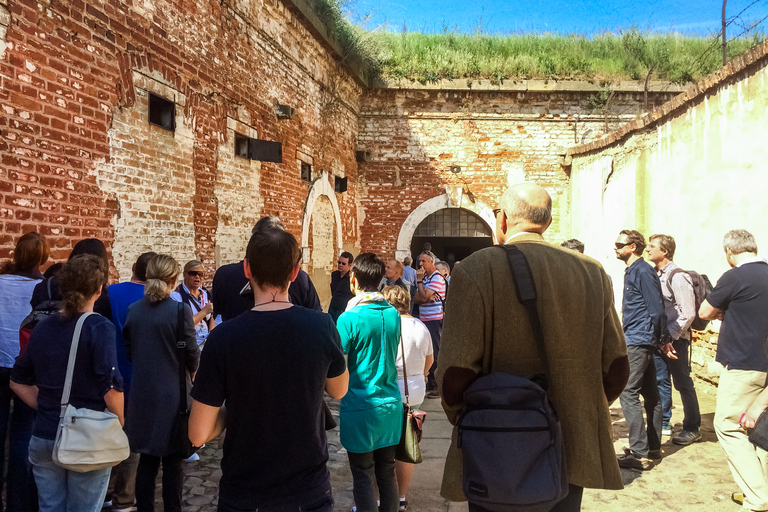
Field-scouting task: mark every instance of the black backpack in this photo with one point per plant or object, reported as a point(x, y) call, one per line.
point(40, 312)
point(701, 288)
point(509, 434)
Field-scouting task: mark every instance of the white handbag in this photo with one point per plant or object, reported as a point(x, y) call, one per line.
point(86, 440)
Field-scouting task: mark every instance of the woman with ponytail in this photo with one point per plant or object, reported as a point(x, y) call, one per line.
point(39, 374)
point(154, 326)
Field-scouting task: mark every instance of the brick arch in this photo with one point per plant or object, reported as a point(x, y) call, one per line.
point(429, 207)
point(321, 187)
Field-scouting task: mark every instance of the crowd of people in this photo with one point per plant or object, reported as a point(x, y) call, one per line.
point(256, 358)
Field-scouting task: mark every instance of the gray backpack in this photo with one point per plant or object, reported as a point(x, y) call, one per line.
point(509, 435)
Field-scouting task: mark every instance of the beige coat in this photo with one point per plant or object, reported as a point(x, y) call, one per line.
point(583, 336)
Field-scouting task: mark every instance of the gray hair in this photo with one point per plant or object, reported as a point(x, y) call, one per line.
point(518, 208)
point(430, 255)
point(444, 265)
point(739, 241)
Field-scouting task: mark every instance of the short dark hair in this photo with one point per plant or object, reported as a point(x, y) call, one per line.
point(348, 255)
point(666, 244)
point(368, 270)
point(574, 245)
point(272, 255)
point(268, 222)
point(141, 265)
point(635, 237)
point(90, 246)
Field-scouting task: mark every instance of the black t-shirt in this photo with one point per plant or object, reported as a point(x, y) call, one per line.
point(341, 293)
point(271, 368)
point(40, 294)
point(742, 293)
point(230, 279)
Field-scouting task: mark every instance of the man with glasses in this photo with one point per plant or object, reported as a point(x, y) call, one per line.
point(643, 321)
point(340, 290)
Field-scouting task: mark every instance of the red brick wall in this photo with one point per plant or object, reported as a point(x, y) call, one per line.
point(497, 138)
point(70, 67)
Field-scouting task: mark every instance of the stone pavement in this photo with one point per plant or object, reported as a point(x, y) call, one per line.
point(693, 478)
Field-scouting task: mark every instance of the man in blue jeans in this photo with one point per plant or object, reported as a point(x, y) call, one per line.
point(680, 310)
point(643, 322)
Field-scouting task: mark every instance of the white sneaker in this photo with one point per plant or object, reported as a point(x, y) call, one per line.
point(193, 458)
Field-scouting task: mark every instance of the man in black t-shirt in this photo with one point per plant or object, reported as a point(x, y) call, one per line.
point(740, 300)
point(231, 292)
point(270, 365)
point(341, 293)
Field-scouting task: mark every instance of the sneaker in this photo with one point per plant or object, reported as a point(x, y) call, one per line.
point(654, 454)
point(193, 458)
point(685, 437)
point(629, 461)
point(433, 393)
point(666, 429)
point(738, 498)
point(107, 504)
point(403, 505)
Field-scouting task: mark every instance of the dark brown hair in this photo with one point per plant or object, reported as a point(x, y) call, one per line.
point(368, 270)
point(272, 255)
point(635, 237)
point(79, 279)
point(31, 251)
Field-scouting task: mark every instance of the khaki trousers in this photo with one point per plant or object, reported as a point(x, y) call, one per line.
point(749, 464)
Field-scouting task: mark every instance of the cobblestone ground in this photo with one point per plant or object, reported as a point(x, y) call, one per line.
point(693, 478)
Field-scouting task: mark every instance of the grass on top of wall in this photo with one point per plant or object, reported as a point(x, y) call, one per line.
point(605, 57)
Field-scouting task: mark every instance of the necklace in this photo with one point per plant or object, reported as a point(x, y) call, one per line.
point(272, 302)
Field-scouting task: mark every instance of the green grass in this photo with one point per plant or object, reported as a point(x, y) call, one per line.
point(604, 58)
point(428, 58)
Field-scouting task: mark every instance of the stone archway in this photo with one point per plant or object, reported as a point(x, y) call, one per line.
point(429, 207)
point(321, 187)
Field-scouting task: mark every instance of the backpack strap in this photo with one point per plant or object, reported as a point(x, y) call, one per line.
point(181, 345)
point(669, 281)
point(526, 295)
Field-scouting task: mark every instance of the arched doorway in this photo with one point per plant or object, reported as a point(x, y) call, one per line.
point(453, 233)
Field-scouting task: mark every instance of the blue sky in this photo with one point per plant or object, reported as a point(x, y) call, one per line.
point(572, 16)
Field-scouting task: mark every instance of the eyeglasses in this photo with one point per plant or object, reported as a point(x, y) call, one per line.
point(496, 212)
point(620, 245)
point(196, 273)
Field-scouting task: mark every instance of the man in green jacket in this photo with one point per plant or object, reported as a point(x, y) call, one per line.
point(583, 338)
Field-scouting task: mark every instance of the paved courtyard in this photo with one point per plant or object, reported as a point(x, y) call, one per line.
point(692, 478)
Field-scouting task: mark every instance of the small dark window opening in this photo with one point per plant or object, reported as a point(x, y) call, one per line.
point(306, 171)
point(339, 184)
point(162, 112)
point(241, 145)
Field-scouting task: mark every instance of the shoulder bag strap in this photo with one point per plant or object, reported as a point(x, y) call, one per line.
point(181, 344)
point(50, 295)
point(526, 294)
point(405, 371)
point(71, 363)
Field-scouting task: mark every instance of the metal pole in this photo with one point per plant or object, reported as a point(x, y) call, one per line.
point(724, 40)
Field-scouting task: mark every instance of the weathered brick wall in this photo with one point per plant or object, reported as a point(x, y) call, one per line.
point(79, 158)
point(496, 137)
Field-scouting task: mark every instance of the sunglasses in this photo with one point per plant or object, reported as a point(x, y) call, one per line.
point(620, 245)
point(496, 212)
point(196, 273)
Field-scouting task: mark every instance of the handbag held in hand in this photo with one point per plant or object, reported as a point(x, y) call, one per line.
point(86, 440)
point(759, 434)
point(408, 448)
point(180, 442)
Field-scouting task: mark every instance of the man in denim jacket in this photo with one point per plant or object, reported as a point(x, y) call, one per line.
point(643, 320)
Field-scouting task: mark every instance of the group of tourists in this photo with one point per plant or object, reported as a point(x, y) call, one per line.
point(257, 358)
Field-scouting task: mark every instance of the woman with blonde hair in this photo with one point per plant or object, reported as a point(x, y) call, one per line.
point(155, 327)
point(39, 375)
point(416, 343)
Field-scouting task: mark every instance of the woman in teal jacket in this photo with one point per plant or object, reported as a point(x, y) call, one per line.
point(371, 414)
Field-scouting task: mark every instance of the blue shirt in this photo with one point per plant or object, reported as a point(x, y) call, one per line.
point(409, 275)
point(121, 296)
point(16, 291)
point(642, 309)
point(44, 364)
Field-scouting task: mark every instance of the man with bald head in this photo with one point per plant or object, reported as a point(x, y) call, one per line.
point(393, 275)
point(583, 339)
